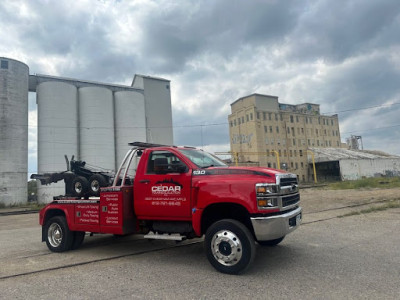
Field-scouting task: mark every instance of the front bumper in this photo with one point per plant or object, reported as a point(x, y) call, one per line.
point(275, 227)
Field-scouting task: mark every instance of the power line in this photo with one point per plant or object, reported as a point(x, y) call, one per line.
point(362, 108)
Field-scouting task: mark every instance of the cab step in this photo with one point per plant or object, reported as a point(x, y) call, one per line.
point(165, 236)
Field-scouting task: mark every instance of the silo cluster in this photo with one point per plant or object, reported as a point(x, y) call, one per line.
point(92, 123)
point(14, 77)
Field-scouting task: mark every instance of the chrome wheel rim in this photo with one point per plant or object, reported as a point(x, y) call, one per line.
point(95, 186)
point(55, 235)
point(78, 187)
point(226, 248)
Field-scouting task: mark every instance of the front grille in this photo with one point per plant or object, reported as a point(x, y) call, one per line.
point(288, 181)
point(290, 200)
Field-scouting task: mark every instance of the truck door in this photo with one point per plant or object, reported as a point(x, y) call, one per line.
point(163, 191)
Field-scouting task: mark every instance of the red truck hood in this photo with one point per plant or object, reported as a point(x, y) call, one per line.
point(239, 171)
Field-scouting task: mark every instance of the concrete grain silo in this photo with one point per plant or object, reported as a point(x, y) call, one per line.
point(96, 127)
point(57, 132)
point(130, 121)
point(14, 76)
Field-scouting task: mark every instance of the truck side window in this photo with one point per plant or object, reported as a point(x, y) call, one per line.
point(163, 162)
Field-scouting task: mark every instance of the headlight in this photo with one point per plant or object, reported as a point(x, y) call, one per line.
point(264, 189)
point(267, 195)
point(267, 203)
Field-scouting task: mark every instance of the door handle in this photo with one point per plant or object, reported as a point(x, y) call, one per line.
point(144, 181)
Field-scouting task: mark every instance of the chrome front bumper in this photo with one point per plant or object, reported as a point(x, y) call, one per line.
point(274, 227)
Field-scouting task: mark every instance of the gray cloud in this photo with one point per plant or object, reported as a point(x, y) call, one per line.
point(340, 54)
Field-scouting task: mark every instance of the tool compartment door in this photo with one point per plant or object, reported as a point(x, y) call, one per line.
point(116, 210)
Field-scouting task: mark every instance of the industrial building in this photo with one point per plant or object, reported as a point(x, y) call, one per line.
point(92, 121)
point(345, 164)
point(265, 132)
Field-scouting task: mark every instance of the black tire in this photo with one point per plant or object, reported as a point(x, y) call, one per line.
point(96, 181)
point(230, 246)
point(79, 236)
point(271, 243)
point(58, 236)
point(80, 187)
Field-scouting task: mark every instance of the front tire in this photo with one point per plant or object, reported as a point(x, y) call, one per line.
point(58, 236)
point(79, 236)
point(230, 246)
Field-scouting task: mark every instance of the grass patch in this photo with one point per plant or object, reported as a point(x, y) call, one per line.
point(381, 182)
point(391, 204)
point(24, 206)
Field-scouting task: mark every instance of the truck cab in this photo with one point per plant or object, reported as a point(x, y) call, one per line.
point(180, 193)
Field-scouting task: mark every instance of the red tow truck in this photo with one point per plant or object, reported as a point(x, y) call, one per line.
point(180, 193)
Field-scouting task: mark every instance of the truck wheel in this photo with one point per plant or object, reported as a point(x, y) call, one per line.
point(229, 246)
point(79, 236)
point(271, 242)
point(96, 181)
point(80, 186)
point(58, 236)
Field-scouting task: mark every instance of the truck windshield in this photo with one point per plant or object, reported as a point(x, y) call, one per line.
point(202, 159)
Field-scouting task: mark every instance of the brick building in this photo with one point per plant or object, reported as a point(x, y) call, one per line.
point(261, 128)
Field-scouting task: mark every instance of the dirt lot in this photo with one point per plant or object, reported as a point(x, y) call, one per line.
point(322, 203)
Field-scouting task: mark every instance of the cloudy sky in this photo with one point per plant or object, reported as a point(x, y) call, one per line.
point(344, 55)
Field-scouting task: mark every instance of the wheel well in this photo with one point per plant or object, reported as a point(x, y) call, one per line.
point(219, 211)
point(49, 214)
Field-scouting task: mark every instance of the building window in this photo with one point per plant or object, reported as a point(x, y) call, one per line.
point(281, 117)
point(258, 115)
point(291, 164)
point(297, 166)
point(251, 116)
point(288, 130)
point(247, 118)
point(302, 165)
point(280, 152)
point(269, 116)
point(301, 152)
point(234, 122)
point(270, 129)
point(265, 128)
point(272, 141)
point(302, 130)
point(231, 123)
point(308, 142)
point(291, 153)
point(294, 142)
point(297, 119)
point(264, 115)
point(269, 165)
point(332, 122)
point(284, 153)
point(291, 119)
point(277, 129)
point(266, 141)
point(4, 64)
point(284, 142)
point(317, 142)
point(242, 120)
point(319, 120)
point(316, 131)
point(267, 152)
point(295, 153)
point(276, 117)
point(293, 131)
